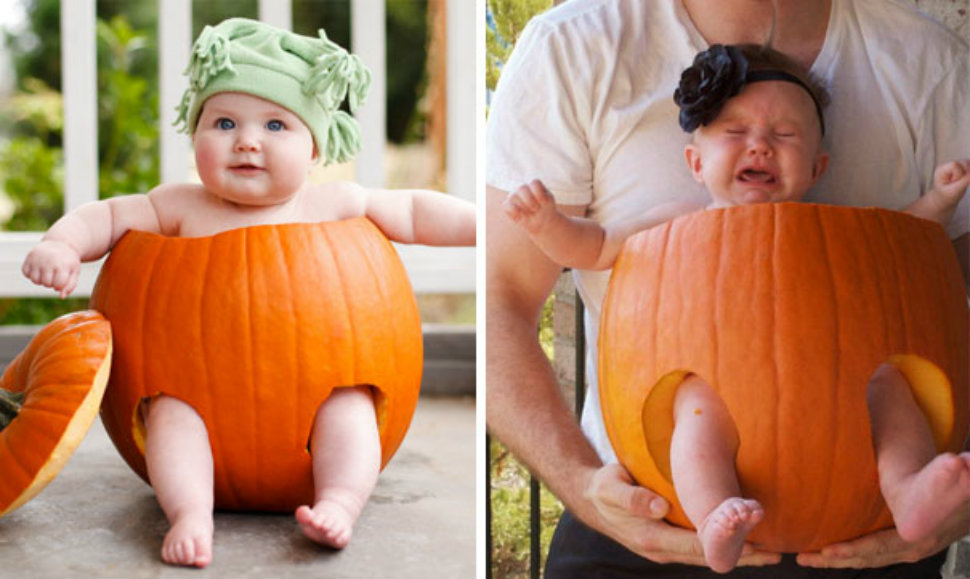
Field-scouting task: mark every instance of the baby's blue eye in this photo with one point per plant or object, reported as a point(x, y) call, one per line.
point(225, 124)
point(275, 125)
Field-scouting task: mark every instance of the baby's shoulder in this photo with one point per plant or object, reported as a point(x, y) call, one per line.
point(337, 200)
point(173, 201)
point(177, 193)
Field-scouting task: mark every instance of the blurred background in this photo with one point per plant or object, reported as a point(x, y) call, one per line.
point(130, 119)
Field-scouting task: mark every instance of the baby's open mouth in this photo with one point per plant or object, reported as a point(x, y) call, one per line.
point(756, 176)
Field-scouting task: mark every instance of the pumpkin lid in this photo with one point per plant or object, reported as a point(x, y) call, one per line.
point(49, 397)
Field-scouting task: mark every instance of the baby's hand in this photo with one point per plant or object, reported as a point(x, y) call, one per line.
point(950, 180)
point(532, 206)
point(53, 264)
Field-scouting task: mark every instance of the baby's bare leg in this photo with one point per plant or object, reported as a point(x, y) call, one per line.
point(702, 453)
point(179, 462)
point(346, 452)
point(921, 488)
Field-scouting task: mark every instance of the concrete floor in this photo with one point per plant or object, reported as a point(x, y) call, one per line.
point(98, 519)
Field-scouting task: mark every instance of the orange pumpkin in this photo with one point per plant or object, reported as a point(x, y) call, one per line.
point(786, 310)
point(253, 328)
point(50, 393)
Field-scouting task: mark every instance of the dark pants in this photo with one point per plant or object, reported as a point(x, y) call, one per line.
point(581, 553)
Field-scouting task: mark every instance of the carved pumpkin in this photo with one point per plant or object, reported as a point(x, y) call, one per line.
point(253, 328)
point(49, 397)
point(786, 310)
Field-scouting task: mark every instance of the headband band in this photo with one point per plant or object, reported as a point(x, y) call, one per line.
point(717, 75)
point(773, 74)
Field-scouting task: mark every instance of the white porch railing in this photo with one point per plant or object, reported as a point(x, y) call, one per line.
point(432, 270)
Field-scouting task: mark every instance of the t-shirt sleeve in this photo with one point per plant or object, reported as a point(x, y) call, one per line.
point(944, 134)
point(537, 118)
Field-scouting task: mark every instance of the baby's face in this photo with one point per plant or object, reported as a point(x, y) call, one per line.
point(764, 146)
point(251, 151)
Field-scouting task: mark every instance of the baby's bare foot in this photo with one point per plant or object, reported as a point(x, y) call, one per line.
point(924, 500)
point(328, 523)
point(723, 532)
point(189, 542)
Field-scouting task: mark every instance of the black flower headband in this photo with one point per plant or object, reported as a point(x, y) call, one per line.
point(717, 75)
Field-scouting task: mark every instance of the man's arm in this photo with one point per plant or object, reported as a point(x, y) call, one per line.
point(525, 410)
point(523, 407)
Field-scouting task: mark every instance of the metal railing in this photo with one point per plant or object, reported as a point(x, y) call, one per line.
point(535, 489)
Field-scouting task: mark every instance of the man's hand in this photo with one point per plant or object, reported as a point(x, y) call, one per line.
point(633, 516)
point(884, 548)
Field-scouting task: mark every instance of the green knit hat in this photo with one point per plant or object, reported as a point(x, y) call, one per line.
point(309, 76)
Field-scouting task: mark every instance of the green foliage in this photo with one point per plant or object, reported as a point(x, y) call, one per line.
point(32, 176)
point(36, 53)
point(127, 112)
point(407, 73)
point(36, 110)
point(37, 311)
point(510, 498)
point(509, 18)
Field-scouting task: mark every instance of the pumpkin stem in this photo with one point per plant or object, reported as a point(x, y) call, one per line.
point(10, 405)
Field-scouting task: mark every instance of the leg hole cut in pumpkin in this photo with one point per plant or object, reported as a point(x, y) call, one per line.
point(932, 392)
point(658, 419)
point(139, 418)
point(380, 409)
point(920, 485)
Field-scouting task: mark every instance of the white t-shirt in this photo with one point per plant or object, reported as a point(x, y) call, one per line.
point(585, 104)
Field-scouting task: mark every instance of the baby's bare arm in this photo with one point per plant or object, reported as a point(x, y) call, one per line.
point(566, 238)
point(85, 234)
point(579, 242)
point(419, 216)
point(950, 181)
point(93, 229)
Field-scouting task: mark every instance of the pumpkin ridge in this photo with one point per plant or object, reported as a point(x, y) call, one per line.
point(141, 353)
point(720, 274)
point(382, 288)
point(210, 278)
point(251, 387)
point(664, 256)
point(838, 427)
point(233, 246)
point(201, 329)
point(776, 347)
point(878, 289)
point(23, 468)
point(292, 336)
point(347, 308)
point(291, 270)
point(900, 298)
